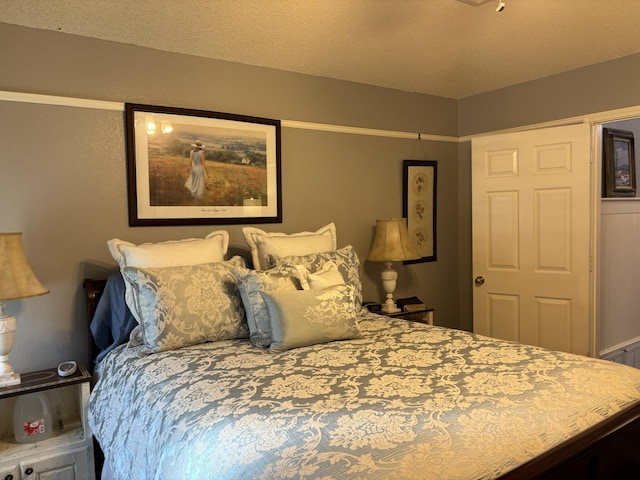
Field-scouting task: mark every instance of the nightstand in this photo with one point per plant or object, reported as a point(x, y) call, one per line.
point(421, 316)
point(68, 453)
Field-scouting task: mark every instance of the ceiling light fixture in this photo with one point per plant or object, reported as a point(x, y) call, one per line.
point(500, 6)
point(475, 3)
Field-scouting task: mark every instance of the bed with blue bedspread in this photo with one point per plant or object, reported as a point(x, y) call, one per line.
point(218, 371)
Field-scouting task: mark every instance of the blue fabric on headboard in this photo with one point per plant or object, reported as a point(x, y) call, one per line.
point(113, 322)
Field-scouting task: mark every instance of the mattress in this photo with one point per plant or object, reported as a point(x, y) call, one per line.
point(403, 401)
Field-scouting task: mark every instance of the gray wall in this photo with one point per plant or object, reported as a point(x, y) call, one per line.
point(63, 168)
point(597, 88)
point(63, 179)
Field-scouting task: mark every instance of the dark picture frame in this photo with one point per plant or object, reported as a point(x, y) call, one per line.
point(419, 206)
point(234, 179)
point(619, 163)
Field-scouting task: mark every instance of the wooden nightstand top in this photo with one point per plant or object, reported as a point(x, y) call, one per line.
point(403, 313)
point(44, 380)
point(422, 316)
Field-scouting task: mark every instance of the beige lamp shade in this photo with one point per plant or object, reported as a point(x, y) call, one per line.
point(392, 242)
point(17, 279)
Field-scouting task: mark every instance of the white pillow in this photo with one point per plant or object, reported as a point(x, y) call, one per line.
point(173, 253)
point(269, 246)
point(328, 276)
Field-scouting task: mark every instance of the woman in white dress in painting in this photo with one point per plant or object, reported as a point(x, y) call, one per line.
point(198, 178)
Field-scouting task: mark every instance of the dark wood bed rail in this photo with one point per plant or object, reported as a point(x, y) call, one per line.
point(609, 450)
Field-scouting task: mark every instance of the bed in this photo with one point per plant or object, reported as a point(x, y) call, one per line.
point(375, 398)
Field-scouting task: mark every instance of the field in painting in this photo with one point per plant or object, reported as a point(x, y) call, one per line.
point(227, 185)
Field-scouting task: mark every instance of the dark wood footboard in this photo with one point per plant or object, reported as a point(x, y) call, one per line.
point(609, 450)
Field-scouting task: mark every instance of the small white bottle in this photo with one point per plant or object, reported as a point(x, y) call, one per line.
point(32, 418)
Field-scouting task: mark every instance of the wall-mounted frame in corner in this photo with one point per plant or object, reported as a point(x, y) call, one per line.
point(196, 167)
point(619, 172)
point(419, 182)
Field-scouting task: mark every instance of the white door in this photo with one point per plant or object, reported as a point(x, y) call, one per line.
point(531, 237)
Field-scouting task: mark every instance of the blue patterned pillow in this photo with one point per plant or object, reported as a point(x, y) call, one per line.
point(186, 305)
point(250, 284)
point(346, 259)
point(307, 317)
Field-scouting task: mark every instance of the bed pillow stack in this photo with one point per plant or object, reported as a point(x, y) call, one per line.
point(301, 291)
point(267, 247)
point(181, 292)
point(172, 253)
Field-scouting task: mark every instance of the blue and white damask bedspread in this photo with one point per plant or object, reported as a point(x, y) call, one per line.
point(406, 401)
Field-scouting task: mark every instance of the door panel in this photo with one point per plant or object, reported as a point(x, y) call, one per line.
point(531, 237)
point(505, 312)
point(553, 230)
point(503, 230)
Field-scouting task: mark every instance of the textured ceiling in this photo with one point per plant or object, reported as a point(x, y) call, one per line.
point(450, 48)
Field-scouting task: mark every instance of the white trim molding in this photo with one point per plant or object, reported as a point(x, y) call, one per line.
point(117, 106)
point(598, 117)
point(61, 101)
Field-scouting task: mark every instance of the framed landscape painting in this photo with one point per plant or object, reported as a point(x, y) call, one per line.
point(196, 167)
point(419, 181)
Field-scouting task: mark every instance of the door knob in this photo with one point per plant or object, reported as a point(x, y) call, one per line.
point(479, 281)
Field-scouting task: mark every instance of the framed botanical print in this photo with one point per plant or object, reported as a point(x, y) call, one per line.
point(419, 206)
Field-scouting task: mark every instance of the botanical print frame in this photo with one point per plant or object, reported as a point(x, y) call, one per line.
point(196, 167)
point(419, 182)
point(619, 163)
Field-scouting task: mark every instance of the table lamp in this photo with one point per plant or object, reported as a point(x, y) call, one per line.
point(391, 244)
point(17, 280)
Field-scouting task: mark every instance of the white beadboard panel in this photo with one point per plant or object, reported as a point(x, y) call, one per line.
point(620, 275)
point(612, 206)
point(628, 355)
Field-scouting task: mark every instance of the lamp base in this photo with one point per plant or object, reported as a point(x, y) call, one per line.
point(389, 277)
point(9, 379)
point(7, 329)
point(386, 308)
point(389, 305)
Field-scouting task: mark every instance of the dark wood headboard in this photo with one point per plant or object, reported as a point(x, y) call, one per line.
point(93, 291)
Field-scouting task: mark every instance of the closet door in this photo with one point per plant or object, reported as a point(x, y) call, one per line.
point(532, 225)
